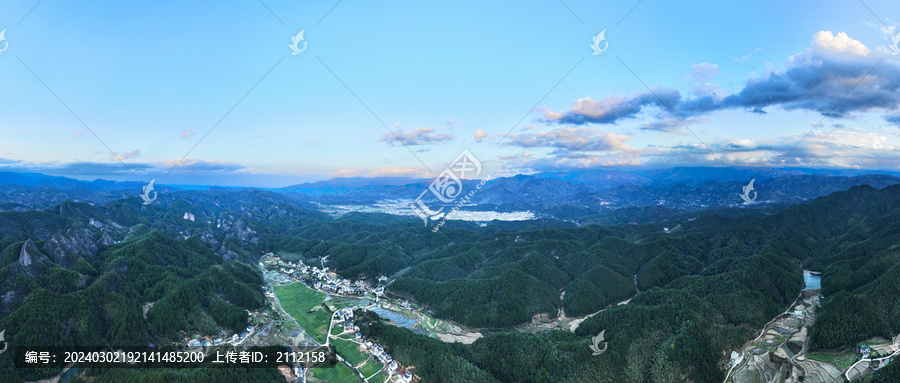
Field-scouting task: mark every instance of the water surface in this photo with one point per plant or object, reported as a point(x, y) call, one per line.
point(400, 319)
point(812, 281)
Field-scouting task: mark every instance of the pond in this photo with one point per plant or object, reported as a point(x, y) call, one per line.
point(393, 316)
point(400, 319)
point(812, 281)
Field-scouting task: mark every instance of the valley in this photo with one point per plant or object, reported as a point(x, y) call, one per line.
point(673, 297)
point(560, 191)
point(782, 350)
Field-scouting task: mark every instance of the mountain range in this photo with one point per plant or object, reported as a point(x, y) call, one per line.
point(700, 280)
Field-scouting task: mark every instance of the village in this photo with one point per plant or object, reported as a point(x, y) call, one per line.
point(344, 319)
point(325, 281)
point(233, 340)
point(368, 360)
point(321, 324)
point(328, 282)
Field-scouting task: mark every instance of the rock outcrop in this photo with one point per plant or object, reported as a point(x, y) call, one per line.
point(32, 263)
point(66, 249)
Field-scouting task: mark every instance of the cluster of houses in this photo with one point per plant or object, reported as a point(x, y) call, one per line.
point(234, 339)
point(405, 377)
point(390, 365)
point(345, 316)
point(880, 353)
point(324, 280)
point(736, 358)
point(863, 351)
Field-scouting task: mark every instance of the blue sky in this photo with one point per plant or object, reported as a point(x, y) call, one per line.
point(746, 81)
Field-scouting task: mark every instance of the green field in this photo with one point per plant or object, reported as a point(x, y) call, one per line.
point(350, 351)
point(370, 368)
point(341, 302)
point(289, 326)
point(379, 378)
point(339, 374)
point(298, 300)
point(842, 361)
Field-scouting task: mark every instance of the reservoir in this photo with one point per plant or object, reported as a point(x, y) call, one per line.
point(399, 319)
point(811, 281)
point(393, 316)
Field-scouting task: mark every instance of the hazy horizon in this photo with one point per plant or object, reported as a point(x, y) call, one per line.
point(770, 172)
point(187, 94)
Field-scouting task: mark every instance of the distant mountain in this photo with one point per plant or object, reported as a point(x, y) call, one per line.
point(677, 188)
point(354, 182)
point(567, 195)
point(598, 179)
point(35, 191)
point(530, 189)
point(696, 280)
point(46, 181)
point(553, 196)
point(360, 190)
point(714, 193)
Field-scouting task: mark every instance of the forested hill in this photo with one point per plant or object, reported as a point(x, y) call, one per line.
point(703, 285)
point(853, 238)
point(80, 274)
point(127, 274)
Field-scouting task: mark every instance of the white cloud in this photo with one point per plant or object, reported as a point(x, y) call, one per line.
point(841, 43)
point(574, 139)
point(699, 78)
point(673, 125)
point(195, 165)
point(703, 72)
point(389, 171)
point(126, 155)
point(420, 136)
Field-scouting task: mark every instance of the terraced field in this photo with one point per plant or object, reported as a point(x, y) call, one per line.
point(843, 361)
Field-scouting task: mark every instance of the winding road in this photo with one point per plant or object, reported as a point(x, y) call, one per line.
point(761, 333)
point(853, 366)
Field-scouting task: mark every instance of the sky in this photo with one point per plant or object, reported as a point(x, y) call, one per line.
point(190, 93)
